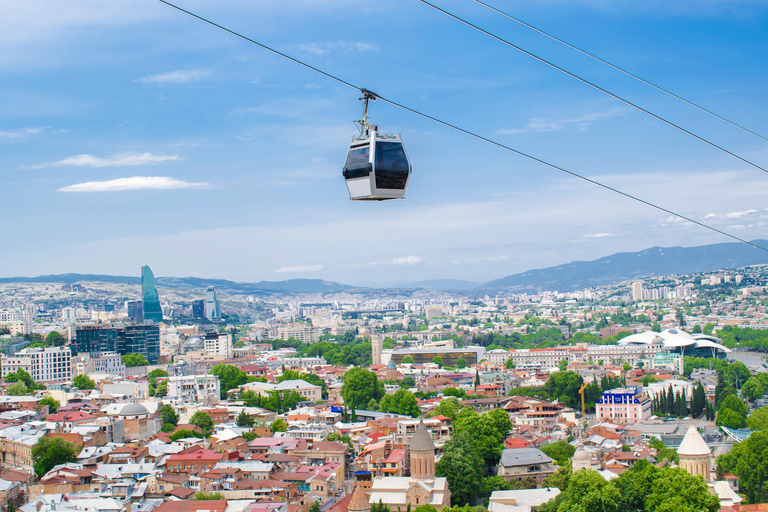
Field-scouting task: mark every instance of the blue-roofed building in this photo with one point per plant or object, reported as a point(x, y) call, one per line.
point(623, 405)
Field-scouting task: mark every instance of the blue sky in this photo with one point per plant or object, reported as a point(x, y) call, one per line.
point(132, 134)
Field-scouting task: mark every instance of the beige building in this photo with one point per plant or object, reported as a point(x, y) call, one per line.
point(695, 455)
point(309, 392)
point(49, 364)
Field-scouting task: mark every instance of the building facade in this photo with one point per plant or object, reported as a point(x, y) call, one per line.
point(48, 364)
point(152, 310)
point(194, 388)
point(623, 405)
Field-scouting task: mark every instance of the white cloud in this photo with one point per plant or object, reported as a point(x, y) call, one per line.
point(731, 215)
point(324, 48)
point(303, 268)
point(542, 124)
point(408, 260)
point(134, 183)
point(180, 76)
point(597, 235)
point(21, 132)
point(120, 160)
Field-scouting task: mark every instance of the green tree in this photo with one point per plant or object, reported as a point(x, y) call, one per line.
point(152, 379)
point(206, 495)
point(52, 451)
point(461, 363)
point(407, 359)
point(749, 462)
point(315, 506)
point(162, 389)
point(184, 433)
point(17, 389)
point(448, 407)
point(170, 418)
point(559, 478)
point(758, 420)
point(229, 376)
point(360, 385)
point(589, 492)
point(131, 360)
point(279, 425)
point(244, 420)
point(509, 364)
point(51, 402)
point(675, 490)
point(488, 431)
point(733, 413)
point(55, 339)
point(373, 405)
point(203, 421)
point(457, 392)
point(462, 466)
point(83, 382)
point(438, 361)
point(559, 451)
point(563, 365)
point(401, 402)
point(407, 382)
point(752, 389)
point(21, 376)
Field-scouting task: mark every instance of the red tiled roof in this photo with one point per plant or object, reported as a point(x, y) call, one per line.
point(196, 455)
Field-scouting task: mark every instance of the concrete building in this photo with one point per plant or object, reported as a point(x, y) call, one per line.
point(194, 388)
point(47, 364)
point(218, 343)
point(17, 320)
point(637, 291)
point(303, 333)
point(109, 363)
point(623, 405)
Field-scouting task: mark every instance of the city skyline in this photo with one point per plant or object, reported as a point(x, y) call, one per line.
point(149, 134)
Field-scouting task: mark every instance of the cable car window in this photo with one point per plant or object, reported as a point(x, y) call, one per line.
point(391, 166)
point(358, 163)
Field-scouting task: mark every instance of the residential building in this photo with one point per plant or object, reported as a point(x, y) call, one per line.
point(218, 343)
point(520, 463)
point(637, 291)
point(309, 392)
point(193, 462)
point(194, 388)
point(303, 333)
point(623, 405)
point(110, 363)
point(44, 364)
point(17, 320)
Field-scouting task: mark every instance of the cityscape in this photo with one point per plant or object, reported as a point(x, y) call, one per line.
point(426, 256)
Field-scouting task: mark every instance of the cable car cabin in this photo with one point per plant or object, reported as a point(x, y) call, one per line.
point(377, 167)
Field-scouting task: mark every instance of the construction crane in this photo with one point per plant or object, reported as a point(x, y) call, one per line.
point(583, 406)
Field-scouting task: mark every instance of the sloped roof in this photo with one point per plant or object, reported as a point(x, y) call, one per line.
point(693, 443)
point(422, 441)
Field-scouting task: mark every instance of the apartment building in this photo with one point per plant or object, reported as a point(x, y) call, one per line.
point(98, 362)
point(301, 332)
point(194, 388)
point(217, 343)
point(49, 364)
point(17, 320)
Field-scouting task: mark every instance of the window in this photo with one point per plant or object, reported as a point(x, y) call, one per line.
point(357, 164)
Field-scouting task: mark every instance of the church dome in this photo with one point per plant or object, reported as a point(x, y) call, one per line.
point(581, 454)
point(422, 441)
point(193, 343)
point(693, 444)
point(133, 410)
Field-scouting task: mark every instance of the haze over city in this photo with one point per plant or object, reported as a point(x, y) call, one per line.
point(134, 134)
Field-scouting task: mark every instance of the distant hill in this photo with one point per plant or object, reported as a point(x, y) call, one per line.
point(443, 285)
point(656, 261)
point(260, 288)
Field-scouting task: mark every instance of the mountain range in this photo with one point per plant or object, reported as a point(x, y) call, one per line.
point(577, 275)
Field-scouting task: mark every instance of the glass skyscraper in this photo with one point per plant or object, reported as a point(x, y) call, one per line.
point(152, 309)
point(212, 312)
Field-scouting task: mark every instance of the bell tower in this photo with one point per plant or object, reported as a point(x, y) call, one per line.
point(422, 453)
